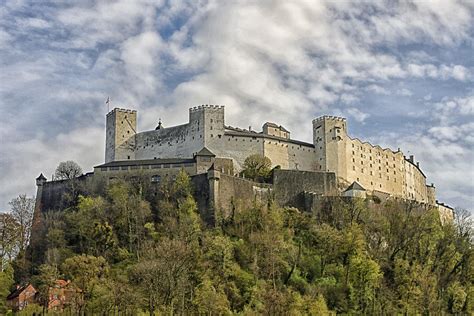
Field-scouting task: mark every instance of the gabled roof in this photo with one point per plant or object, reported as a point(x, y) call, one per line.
point(18, 291)
point(41, 177)
point(355, 186)
point(205, 152)
point(276, 126)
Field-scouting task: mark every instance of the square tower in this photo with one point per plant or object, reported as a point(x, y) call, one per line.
point(330, 138)
point(121, 127)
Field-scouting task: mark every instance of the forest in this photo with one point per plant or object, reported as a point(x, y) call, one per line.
point(130, 256)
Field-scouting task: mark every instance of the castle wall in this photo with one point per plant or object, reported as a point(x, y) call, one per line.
point(181, 141)
point(289, 186)
point(235, 147)
point(237, 193)
point(415, 180)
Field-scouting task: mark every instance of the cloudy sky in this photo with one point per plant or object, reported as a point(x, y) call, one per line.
point(401, 72)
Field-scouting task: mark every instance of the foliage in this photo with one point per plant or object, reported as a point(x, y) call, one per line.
point(126, 254)
point(67, 170)
point(257, 167)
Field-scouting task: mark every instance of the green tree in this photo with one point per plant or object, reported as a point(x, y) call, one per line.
point(6, 283)
point(86, 272)
point(257, 167)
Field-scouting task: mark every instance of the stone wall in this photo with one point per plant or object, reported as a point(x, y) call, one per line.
point(238, 193)
point(289, 186)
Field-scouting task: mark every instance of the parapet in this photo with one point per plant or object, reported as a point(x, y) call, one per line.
point(206, 106)
point(122, 111)
point(329, 117)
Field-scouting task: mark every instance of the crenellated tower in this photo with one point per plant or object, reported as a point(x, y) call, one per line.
point(121, 127)
point(210, 121)
point(329, 137)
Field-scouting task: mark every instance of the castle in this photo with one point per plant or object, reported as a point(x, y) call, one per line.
point(380, 171)
point(213, 154)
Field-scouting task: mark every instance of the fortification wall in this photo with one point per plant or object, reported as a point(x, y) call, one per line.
point(289, 186)
point(237, 193)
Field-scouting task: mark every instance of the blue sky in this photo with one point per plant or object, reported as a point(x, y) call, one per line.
point(401, 72)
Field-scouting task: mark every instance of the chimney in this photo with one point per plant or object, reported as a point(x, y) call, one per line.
point(418, 164)
point(250, 128)
point(412, 159)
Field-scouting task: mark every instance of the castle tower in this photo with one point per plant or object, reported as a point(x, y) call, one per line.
point(121, 127)
point(209, 120)
point(329, 137)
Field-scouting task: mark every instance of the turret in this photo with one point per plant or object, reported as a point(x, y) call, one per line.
point(121, 127)
point(40, 180)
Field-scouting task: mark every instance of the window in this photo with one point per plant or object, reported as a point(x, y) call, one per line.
point(124, 168)
point(128, 157)
point(103, 169)
point(155, 178)
point(353, 168)
point(135, 167)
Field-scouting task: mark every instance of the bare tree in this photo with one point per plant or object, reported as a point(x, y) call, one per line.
point(22, 208)
point(464, 223)
point(67, 170)
point(8, 238)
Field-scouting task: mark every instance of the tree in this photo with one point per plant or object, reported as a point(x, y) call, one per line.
point(22, 209)
point(67, 170)
point(9, 228)
point(164, 275)
point(86, 272)
point(257, 167)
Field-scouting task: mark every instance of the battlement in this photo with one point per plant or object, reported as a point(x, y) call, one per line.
point(329, 117)
point(122, 111)
point(205, 106)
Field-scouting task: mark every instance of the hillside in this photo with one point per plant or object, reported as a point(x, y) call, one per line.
point(132, 254)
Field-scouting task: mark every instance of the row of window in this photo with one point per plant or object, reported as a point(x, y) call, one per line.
point(158, 166)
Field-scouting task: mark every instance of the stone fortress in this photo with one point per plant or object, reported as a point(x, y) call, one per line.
point(379, 171)
point(213, 154)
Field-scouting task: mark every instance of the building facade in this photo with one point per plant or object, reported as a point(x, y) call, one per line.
point(378, 170)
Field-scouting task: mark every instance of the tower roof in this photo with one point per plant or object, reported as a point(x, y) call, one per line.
point(160, 126)
point(205, 152)
point(41, 177)
point(355, 186)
